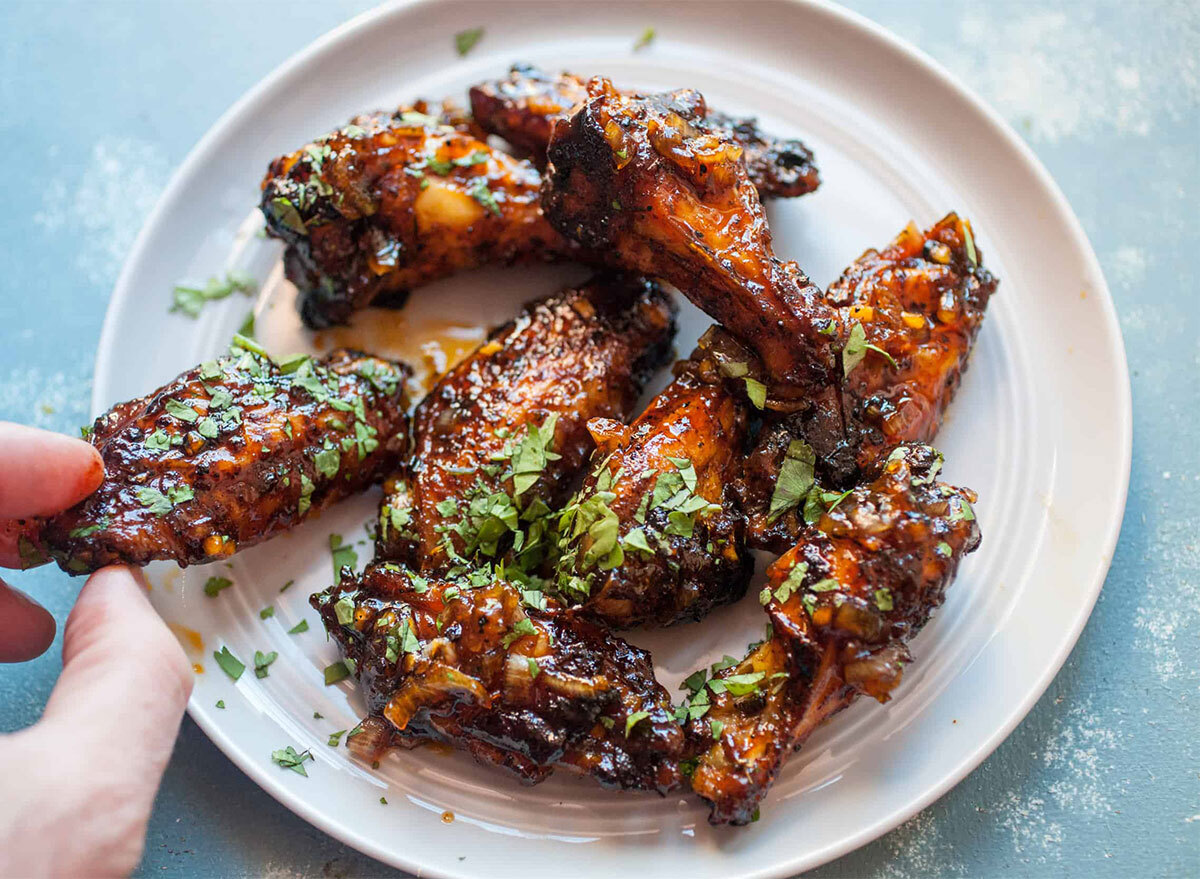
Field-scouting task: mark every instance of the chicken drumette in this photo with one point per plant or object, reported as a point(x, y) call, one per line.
point(655, 535)
point(525, 688)
point(522, 108)
point(393, 201)
point(229, 454)
point(640, 182)
point(909, 314)
point(843, 603)
point(500, 439)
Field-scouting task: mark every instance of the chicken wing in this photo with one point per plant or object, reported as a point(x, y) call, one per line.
point(843, 603)
point(639, 182)
point(501, 438)
point(909, 315)
point(393, 201)
point(525, 688)
point(654, 536)
point(231, 453)
point(522, 108)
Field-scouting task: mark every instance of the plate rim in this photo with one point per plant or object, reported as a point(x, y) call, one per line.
point(1063, 215)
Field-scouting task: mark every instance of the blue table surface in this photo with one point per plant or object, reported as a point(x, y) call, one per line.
point(103, 99)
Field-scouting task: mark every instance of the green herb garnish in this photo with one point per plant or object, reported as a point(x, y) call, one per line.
point(229, 663)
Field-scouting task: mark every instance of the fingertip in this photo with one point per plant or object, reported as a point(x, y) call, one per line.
point(45, 472)
point(26, 628)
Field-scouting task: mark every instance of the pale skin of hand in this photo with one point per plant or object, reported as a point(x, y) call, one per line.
point(79, 784)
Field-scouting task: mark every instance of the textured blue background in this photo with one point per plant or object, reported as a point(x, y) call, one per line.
point(99, 100)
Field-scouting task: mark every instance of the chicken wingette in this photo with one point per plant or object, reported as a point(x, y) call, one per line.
point(229, 454)
point(522, 107)
point(518, 684)
point(910, 314)
point(499, 440)
point(842, 603)
point(639, 182)
point(655, 536)
point(393, 201)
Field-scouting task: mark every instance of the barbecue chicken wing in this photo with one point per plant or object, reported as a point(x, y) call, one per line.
point(522, 108)
point(524, 688)
point(654, 536)
point(231, 453)
point(842, 603)
point(908, 316)
point(501, 438)
point(639, 182)
point(393, 201)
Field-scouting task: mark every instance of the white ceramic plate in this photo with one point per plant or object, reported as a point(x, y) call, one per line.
point(1041, 428)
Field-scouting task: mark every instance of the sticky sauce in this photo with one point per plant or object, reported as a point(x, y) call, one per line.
point(431, 347)
point(197, 668)
point(438, 748)
point(447, 817)
point(191, 640)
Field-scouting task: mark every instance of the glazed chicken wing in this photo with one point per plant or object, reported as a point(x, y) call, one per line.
point(525, 688)
point(843, 604)
point(908, 316)
point(500, 439)
point(231, 453)
point(655, 536)
point(522, 108)
point(639, 182)
point(393, 201)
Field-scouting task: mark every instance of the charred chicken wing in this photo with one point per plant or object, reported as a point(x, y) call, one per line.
point(908, 317)
point(231, 453)
point(522, 108)
point(500, 439)
point(525, 688)
point(843, 603)
point(641, 183)
point(393, 201)
point(655, 536)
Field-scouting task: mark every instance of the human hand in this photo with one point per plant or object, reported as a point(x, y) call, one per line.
point(79, 784)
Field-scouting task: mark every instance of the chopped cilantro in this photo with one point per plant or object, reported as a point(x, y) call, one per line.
point(482, 193)
point(267, 612)
point(262, 662)
point(335, 738)
point(464, 41)
point(633, 720)
point(89, 530)
point(289, 759)
point(522, 627)
point(717, 727)
point(159, 440)
point(961, 510)
point(343, 555)
point(191, 300)
point(285, 213)
point(645, 39)
point(153, 500)
point(795, 479)
point(220, 703)
point(301, 626)
point(182, 411)
point(534, 668)
point(757, 392)
point(328, 462)
point(338, 671)
point(944, 549)
point(883, 600)
point(229, 663)
point(969, 241)
point(213, 585)
point(856, 349)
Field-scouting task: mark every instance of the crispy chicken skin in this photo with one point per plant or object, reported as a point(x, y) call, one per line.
point(637, 181)
point(908, 316)
point(843, 602)
point(654, 536)
point(522, 108)
point(393, 201)
point(518, 687)
point(500, 439)
point(232, 453)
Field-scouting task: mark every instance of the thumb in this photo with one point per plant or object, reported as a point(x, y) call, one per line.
point(94, 761)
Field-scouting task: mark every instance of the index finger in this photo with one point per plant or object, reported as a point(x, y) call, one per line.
point(42, 473)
